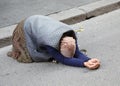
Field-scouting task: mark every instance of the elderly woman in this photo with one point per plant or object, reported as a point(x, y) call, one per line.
point(40, 38)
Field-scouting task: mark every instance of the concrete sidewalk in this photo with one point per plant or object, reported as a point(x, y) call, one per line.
point(100, 38)
point(12, 11)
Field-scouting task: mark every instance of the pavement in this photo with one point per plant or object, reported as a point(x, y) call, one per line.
point(11, 12)
point(101, 39)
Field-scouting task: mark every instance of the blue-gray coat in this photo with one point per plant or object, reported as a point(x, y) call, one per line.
point(42, 30)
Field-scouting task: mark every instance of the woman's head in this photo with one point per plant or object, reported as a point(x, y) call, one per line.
point(67, 44)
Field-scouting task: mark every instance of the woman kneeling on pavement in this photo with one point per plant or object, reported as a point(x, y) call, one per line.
point(40, 39)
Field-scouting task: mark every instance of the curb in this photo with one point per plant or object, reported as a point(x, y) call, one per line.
point(71, 16)
point(81, 13)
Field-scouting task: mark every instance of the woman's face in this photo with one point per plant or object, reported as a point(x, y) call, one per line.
point(68, 46)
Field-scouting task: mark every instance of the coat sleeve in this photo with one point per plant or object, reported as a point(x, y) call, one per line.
point(74, 61)
point(80, 55)
point(36, 55)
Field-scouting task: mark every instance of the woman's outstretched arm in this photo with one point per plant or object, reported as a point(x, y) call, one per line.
point(80, 55)
point(64, 60)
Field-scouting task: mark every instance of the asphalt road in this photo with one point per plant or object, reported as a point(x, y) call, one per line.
point(12, 11)
point(100, 38)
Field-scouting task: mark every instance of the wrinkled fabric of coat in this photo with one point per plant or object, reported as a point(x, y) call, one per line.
point(42, 30)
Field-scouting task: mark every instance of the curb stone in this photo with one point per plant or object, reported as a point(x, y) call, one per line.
point(100, 7)
point(81, 13)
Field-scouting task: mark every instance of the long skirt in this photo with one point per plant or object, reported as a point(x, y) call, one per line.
point(19, 49)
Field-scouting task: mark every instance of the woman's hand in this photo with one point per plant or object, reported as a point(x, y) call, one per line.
point(92, 64)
